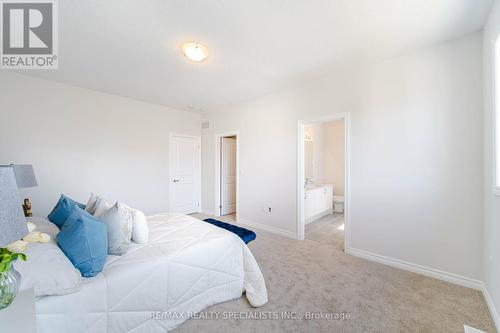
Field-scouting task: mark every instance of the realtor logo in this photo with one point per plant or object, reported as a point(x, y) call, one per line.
point(29, 34)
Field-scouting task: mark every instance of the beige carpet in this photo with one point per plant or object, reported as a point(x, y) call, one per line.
point(315, 276)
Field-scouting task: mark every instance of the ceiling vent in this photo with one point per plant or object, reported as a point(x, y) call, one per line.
point(205, 125)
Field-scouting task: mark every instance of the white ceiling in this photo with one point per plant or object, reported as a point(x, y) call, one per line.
point(132, 47)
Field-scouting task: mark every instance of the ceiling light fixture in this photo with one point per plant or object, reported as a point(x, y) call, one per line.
point(195, 51)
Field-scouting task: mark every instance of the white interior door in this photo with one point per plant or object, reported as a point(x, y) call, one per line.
point(228, 176)
point(185, 174)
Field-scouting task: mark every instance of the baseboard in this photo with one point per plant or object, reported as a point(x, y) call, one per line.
point(491, 307)
point(427, 271)
point(263, 227)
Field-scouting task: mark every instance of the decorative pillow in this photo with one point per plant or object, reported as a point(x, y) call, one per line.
point(119, 222)
point(84, 240)
point(47, 269)
point(101, 206)
point(62, 210)
point(140, 229)
point(92, 203)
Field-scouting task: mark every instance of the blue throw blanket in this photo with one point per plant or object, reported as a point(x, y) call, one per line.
point(246, 235)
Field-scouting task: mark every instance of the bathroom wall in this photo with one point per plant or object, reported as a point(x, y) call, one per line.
point(334, 155)
point(328, 153)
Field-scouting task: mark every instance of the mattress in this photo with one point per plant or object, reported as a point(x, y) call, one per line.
point(186, 266)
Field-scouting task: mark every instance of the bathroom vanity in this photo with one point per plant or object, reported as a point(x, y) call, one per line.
point(318, 201)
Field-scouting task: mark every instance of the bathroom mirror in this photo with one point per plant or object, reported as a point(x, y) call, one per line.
point(308, 159)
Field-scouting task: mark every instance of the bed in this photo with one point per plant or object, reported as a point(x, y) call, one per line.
point(186, 266)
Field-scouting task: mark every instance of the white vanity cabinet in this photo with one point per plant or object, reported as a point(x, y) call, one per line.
point(318, 202)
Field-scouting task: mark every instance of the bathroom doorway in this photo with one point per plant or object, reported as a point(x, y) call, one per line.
point(227, 176)
point(323, 179)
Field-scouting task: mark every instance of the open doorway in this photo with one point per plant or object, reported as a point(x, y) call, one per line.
point(226, 187)
point(323, 179)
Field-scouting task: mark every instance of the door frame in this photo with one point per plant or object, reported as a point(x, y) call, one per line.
point(301, 176)
point(170, 173)
point(217, 169)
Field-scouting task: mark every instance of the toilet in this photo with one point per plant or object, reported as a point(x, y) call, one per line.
point(338, 204)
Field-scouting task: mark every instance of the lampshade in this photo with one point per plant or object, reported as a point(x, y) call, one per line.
point(12, 222)
point(25, 176)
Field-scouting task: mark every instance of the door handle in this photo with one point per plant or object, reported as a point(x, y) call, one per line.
point(176, 180)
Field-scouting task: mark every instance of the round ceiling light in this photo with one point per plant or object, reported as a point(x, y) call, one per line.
point(195, 51)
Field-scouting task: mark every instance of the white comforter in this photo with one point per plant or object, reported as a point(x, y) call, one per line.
point(187, 266)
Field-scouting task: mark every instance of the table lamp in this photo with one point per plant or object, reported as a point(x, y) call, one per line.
point(12, 221)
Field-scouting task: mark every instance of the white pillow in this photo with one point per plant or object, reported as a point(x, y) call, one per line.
point(119, 222)
point(101, 206)
point(140, 229)
point(92, 203)
point(47, 269)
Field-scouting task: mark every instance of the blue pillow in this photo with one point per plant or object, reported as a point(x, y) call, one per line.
point(62, 210)
point(84, 240)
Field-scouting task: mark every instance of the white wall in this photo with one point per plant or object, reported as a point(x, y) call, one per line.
point(492, 202)
point(334, 155)
point(416, 152)
point(81, 141)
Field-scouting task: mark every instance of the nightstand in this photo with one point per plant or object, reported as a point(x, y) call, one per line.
point(20, 316)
